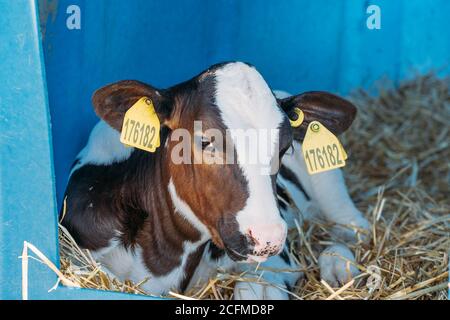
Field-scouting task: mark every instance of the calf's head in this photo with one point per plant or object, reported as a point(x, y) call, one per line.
point(214, 182)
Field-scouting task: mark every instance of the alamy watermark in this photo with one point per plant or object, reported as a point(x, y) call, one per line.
point(73, 21)
point(257, 149)
point(373, 21)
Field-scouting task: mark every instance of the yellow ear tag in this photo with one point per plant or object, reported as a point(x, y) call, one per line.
point(300, 118)
point(141, 126)
point(322, 149)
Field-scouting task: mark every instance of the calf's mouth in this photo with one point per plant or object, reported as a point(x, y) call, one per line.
point(244, 247)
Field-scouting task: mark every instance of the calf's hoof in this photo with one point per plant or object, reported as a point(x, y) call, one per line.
point(337, 265)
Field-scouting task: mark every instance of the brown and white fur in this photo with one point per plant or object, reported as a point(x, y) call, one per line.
point(144, 216)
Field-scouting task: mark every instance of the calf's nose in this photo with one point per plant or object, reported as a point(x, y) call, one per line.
point(267, 239)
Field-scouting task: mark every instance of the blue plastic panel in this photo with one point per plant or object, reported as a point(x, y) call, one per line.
point(27, 195)
point(298, 45)
point(27, 202)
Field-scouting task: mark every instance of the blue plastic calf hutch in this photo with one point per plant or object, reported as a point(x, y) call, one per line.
point(54, 54)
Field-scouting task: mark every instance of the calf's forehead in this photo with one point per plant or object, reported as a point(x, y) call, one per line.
point(244, 99)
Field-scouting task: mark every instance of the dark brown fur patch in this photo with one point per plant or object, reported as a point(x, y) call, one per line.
point(335, 113)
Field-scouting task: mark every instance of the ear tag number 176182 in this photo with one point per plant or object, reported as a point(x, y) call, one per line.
point(141, 126)
point(322, 149)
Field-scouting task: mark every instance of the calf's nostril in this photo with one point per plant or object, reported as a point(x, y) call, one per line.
point(251, 237)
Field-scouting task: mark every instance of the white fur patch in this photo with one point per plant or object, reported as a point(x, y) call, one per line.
point(185, 211)
point(127, 264)
point(244, 98)
point(246, 102)
point(103, 147)
point(98, 254)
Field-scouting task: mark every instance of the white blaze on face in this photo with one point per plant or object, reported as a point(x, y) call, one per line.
point(247, 103)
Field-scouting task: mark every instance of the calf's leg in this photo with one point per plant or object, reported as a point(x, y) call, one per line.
point(325, 196)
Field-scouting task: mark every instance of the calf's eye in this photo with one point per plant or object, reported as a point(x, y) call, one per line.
point(206, 144)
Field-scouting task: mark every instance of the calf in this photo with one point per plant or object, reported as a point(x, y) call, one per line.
point(144, 215)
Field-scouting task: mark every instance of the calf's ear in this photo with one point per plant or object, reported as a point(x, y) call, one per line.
point(113, 101)
point(335, 113)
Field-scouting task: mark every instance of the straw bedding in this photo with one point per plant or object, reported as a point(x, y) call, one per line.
point(398, 176)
